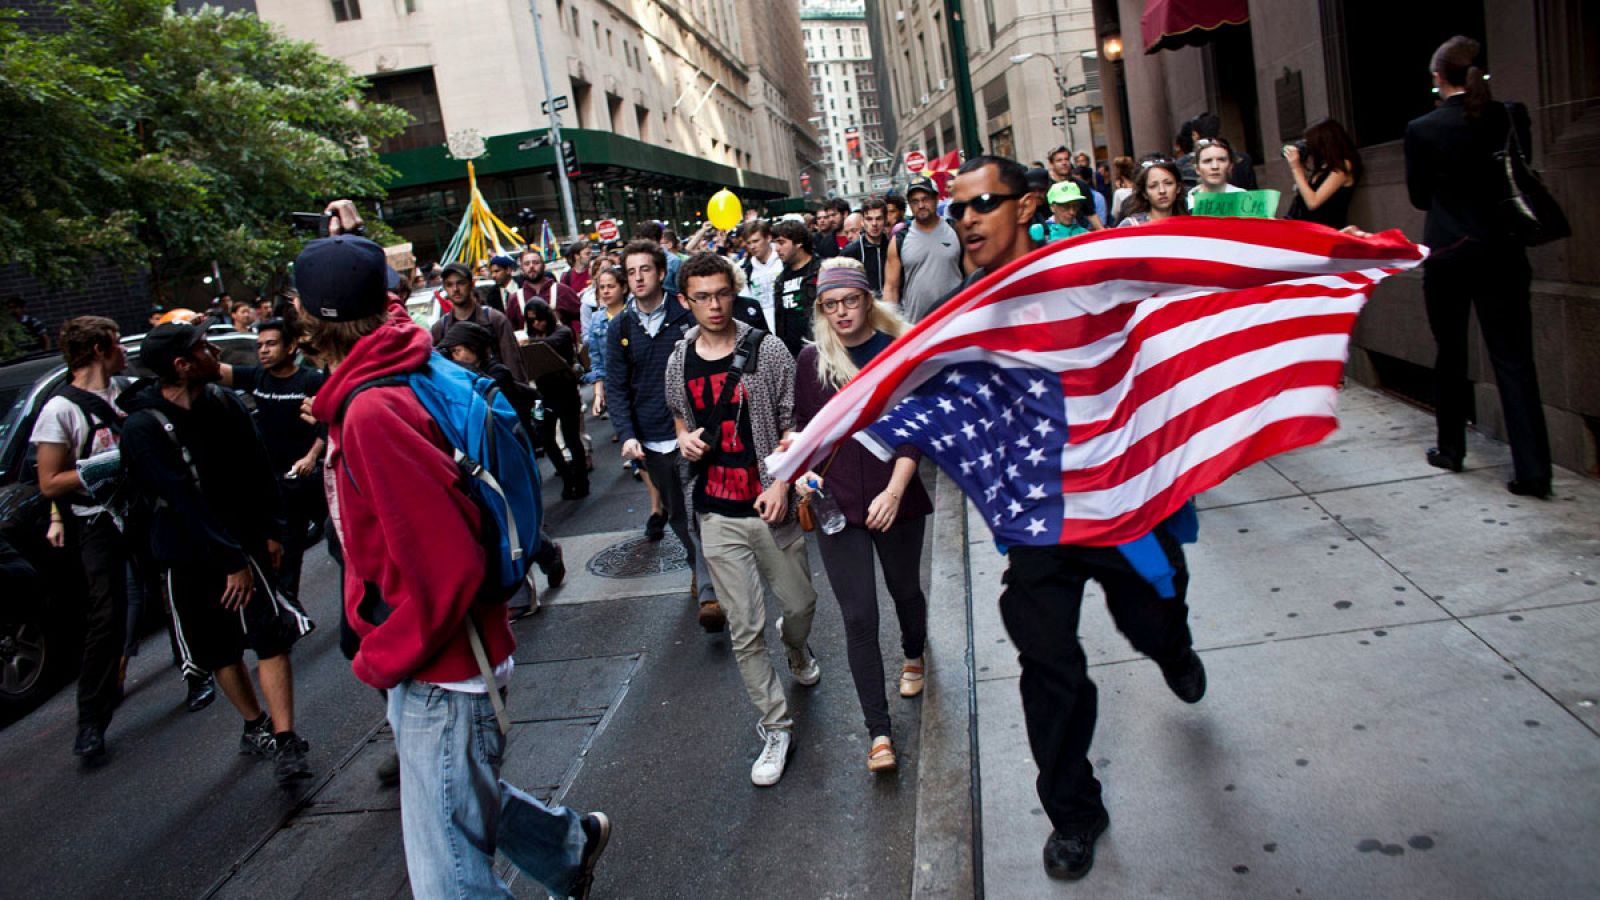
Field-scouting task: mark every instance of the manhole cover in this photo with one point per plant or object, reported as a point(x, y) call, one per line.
point(640, 558)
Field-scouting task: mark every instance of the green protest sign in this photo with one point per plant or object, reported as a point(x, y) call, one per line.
point(1254, 204)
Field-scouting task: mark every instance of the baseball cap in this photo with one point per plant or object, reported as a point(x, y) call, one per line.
point(1064, 192)
point(342, 278)
point(923, 183)
point(167, 343)
point(503, 261)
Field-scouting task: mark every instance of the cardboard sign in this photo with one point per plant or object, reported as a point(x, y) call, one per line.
point(400, 257)
point(1251, 204)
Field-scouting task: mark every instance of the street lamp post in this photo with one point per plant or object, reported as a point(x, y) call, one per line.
point(555, 127)
point(1061, 88)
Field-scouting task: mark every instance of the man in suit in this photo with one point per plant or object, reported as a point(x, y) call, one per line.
point(498, 295)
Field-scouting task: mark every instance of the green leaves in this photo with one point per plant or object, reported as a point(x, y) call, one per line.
point(168, 139)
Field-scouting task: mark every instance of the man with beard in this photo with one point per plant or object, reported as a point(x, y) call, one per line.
point(218, 528)
point(465, 307)
point(924, 265)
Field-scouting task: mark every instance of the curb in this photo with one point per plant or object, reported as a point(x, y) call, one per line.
point(945, 862)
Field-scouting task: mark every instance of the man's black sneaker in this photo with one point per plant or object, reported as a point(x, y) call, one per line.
point(1187, 677)
point(597, 831)
point(91, 742)
point(655, 528)
point(201, 692)
point(556, 571)
point(1071, 856)
point(257, 739)
point(290, 759)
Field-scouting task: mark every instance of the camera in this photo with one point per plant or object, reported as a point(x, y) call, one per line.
point(1299, 146)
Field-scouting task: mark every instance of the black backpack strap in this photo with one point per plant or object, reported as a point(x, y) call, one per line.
point(95, 408)
point(745, 354)
point(172, 434)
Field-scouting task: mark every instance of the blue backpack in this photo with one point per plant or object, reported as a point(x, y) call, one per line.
point(495, 457)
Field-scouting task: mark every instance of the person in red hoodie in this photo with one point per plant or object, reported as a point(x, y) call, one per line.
point(391, 484)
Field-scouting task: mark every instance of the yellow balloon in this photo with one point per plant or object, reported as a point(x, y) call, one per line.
point(724, 211)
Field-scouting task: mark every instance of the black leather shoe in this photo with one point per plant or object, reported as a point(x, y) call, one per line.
point(1442, 460)
point(655, 528)
point(1071, 856)
point(91, 742)
point(201, 692)
point(1187, 677)
point(1533, 487)
point(556, 571)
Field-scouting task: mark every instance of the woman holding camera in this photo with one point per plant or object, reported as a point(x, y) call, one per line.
point(1452, 172)
point(1325, 167)
point(884, 503)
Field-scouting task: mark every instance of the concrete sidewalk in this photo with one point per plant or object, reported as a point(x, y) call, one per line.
point(1402, 701)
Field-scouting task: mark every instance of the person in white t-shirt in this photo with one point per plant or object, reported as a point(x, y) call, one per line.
point(82, 420)
point(762, 266)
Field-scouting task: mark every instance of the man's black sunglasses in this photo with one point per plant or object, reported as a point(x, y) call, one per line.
point(983, 204)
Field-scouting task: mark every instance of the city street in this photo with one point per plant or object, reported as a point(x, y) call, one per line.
point(620, 702)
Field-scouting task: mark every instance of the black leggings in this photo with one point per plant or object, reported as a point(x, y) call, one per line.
point(847, 557)
point(563, 408)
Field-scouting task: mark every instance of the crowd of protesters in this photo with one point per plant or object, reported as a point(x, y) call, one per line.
point(706, 355)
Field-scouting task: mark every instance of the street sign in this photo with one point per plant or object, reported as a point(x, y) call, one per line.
point(561, 104)
point(607, 229)
point(916, 162)
point(1077, 89)
point(1057, 121)
point(535, 143)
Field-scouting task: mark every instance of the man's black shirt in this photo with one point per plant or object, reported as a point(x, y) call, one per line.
point(732, 478)
point(287, 436)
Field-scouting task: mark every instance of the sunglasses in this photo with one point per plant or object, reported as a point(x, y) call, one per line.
point(983, 204)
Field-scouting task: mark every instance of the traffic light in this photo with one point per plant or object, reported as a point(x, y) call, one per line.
point(569, 158)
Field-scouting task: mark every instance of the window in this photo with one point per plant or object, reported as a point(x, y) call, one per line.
point(594, 25)
point(580, 102)
point(642, 119)
point(577, 24)
point(1387, 73)
point(346, 10)
point(416, 93)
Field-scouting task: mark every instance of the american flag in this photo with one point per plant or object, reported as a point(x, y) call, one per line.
point(1084, 393)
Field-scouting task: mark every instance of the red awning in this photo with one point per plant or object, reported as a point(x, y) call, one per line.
point(1170, 24)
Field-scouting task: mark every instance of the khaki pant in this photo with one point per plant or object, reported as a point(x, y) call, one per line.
point(741, 552)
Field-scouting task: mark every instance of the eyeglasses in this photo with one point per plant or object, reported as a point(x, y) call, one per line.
point(722, 296)
point(983, 204)
point(849, 301)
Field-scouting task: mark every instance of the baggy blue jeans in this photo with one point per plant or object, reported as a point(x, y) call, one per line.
point(456, 812)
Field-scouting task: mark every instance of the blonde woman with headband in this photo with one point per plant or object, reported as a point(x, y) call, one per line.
point(884, 503)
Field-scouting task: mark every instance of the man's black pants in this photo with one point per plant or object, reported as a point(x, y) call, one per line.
point(1495, 280)
point(1040, 607)
point(105, 568)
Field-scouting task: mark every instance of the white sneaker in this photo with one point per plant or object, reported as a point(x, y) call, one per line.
point(803, 664)
point(774, 756)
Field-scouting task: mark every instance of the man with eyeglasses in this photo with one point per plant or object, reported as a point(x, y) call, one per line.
point(924, 265)
point(1044, 586)
point(731, 390)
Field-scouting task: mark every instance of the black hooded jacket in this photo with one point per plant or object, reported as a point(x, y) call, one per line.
point(872, 257)
point(233, 509)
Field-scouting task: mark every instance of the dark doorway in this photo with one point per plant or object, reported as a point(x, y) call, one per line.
point(1386, 51)
point(1230, 66)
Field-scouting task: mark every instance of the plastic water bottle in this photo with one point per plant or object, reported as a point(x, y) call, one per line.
point(830, 518)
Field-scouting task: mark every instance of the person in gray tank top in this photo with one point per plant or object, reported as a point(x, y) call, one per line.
point(924, 259)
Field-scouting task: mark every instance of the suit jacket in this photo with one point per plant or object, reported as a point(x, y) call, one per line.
point(501, 298)
point(1451, 171)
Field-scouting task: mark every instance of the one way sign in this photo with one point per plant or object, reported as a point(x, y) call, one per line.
point(561, 104)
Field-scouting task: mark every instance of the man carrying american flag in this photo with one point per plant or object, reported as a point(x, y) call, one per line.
point(1080, 397)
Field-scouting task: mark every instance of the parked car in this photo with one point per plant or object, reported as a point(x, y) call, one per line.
point(41, 588)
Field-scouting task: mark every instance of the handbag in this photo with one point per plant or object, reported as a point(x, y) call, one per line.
point(803, 511)
point(1528, 215)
